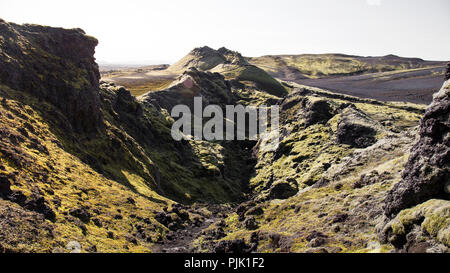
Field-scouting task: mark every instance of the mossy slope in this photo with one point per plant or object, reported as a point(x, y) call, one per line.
point(314, 193)
point(292, 67)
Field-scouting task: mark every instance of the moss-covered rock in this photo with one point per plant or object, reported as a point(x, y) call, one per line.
point(56, 65)
point(355, 128)
point(421, 228)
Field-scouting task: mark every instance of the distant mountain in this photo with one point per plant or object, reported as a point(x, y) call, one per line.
point(230, 64)
point(107, 67)
point(294, 67)
point(206, 58)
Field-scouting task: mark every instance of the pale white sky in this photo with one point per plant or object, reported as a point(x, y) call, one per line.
point(134, 31)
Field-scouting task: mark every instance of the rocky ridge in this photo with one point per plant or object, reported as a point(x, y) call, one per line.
point(116, 183)
point(231, 64)
point(55, 65)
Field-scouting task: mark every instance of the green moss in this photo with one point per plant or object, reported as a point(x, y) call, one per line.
point(75, 184)
point(253, 74)
point(433, 216)
point(326, 65)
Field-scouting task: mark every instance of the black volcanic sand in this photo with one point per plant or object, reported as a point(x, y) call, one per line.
point(415, 86)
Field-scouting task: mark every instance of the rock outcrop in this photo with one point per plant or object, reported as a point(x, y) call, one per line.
point(427, 173)
point(447, 74)
point(355, 128)
point(229, 63)
point(212, 87)
point(423, 228)
point(318, 111)
point(55, 65)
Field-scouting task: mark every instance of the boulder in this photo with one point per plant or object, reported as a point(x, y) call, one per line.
point(250, 223)
point(355, 128)
point(318, 112)
point(81, 213)
point(232, 246)
point(282, 190)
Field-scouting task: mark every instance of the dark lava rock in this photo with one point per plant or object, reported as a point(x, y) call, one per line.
point(97, 222)
point(163, 218)
point(315, 234)
point(243, 208)
point(144, 232)
point(222, 224)
point(172, 221)
point(197, 221)
point(125, 102)
point(339, 218)
point(174, 226)
point(5, 185)
point(250, 223)
point(81, 213)
point(316, 242)
point(254, 237)
point(131, 239)
point(13, 137)
point(318, 112)
point(427, 172)
point(38, 204)
point(233, 246)
point(413, 241)
point(282, 190)
point(355, 128)
point(180, 210)
point(447, 74)
point(366, 180)
point(21, 227)
point(56, 65)
point(92, 249)
point(255, 211)
point(215, 234)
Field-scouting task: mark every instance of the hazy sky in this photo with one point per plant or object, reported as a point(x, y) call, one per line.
point(135, 31)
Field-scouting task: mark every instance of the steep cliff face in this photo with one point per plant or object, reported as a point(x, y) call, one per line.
point(55, 65)
point(417, 208)
point(447, 75)
point(88, 163)
point(427, 173)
